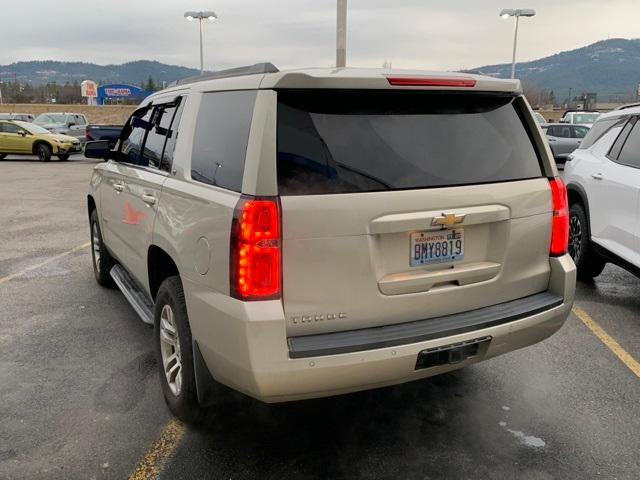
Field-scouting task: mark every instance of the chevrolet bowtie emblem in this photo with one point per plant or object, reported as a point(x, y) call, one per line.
point(447, 219)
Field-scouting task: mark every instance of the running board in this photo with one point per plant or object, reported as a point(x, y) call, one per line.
point(134, 295)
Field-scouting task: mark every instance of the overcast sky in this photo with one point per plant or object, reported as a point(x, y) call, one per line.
point(427, 34)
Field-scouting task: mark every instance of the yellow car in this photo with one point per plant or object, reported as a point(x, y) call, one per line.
point(25, 138)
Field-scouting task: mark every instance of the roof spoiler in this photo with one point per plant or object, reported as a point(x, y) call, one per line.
point(230, 72)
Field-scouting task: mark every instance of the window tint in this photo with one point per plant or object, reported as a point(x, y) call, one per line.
point(630, 153)
point(11, 128)
point(172, 137)
point(617, 145)
point(358, 141)
point(131, 145)
point(153, 146)
point(220, 140)
point(599, 128)
point(562, 131)
point(580, 132)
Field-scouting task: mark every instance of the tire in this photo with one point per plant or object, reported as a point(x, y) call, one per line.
point(588, 262)
point(101, 259)
point(44, 152)
point(64, 157)
point(172, 335)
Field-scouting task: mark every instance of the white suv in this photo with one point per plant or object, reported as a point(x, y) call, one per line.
point(315, 232)
point(603, 182)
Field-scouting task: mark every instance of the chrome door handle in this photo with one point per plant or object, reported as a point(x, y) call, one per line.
point(118, 187)
point(148, 199)
point(596, 176)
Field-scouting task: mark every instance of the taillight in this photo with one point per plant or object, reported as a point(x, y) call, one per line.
point(255, 249)
point(86, 133)
point(560, 219)
point(409, 81)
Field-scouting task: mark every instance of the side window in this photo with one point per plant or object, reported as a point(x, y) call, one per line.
point(630, 153)
point(160, 124)
point(617, 145)
point(133, 139)
point(563, 132)
point(551, 131)
point(580, 132)
point(172, 137)
point(221, 136)
point(10, 128)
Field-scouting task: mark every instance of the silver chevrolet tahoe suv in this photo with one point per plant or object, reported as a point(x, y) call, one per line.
point(307, 233)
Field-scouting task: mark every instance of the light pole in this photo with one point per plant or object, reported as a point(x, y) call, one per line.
point(201, 16)
point(341, 34)
point(520, 12)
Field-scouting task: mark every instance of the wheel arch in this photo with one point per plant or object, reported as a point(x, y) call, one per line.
point(91, 204)
point(160, 266)
point(35, 144)
point(577, 194)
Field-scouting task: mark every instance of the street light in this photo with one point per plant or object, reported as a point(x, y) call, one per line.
point(521, 12)
point(200, 16)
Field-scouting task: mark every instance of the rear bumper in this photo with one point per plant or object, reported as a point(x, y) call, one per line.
point(246, 346)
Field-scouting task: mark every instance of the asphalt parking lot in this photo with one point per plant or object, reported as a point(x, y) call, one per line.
point(80, 396)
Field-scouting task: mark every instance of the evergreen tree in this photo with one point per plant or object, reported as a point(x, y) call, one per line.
point(150, 85)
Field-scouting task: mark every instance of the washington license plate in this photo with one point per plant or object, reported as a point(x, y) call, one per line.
point(436, 247)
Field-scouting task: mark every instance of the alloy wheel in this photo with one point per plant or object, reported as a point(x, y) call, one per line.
point(95, 246)
point(575, 238)
point(170, 350)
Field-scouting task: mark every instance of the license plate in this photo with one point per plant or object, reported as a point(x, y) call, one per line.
point(436, 247)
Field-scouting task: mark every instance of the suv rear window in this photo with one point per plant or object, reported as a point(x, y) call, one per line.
point(361, 141)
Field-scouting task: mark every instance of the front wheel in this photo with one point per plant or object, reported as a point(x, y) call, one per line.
point(44, 152)
point(174, 351)
point(63, 156)
point(588, 262)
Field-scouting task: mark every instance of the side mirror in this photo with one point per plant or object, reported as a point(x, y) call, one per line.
point(22, 133)
point(97, 149)
point(71, 124)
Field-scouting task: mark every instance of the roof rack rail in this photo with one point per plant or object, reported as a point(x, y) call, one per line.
point(230, 72)
point(628, 105)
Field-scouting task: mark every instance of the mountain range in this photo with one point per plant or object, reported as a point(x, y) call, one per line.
point(610, 68)
point(49, 71)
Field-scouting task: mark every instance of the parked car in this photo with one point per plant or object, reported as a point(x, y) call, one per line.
point(23, 138)
point(564, 139)
point(103, 132)
point(540, 119)
point(314, 232)
point(603, 181)
point(580, 117)
point(72, 124)
point(25, 117)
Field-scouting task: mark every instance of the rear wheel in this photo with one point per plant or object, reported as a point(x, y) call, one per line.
point(102, 260)
point(63, 156)
point(588, 262)
point(175, 351)
point(44, 152)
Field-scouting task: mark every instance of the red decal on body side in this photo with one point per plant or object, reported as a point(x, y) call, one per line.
point(132, 216)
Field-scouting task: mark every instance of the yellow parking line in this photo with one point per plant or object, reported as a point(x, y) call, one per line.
point(614, 346)
point(149, 465)
point(42, 264)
